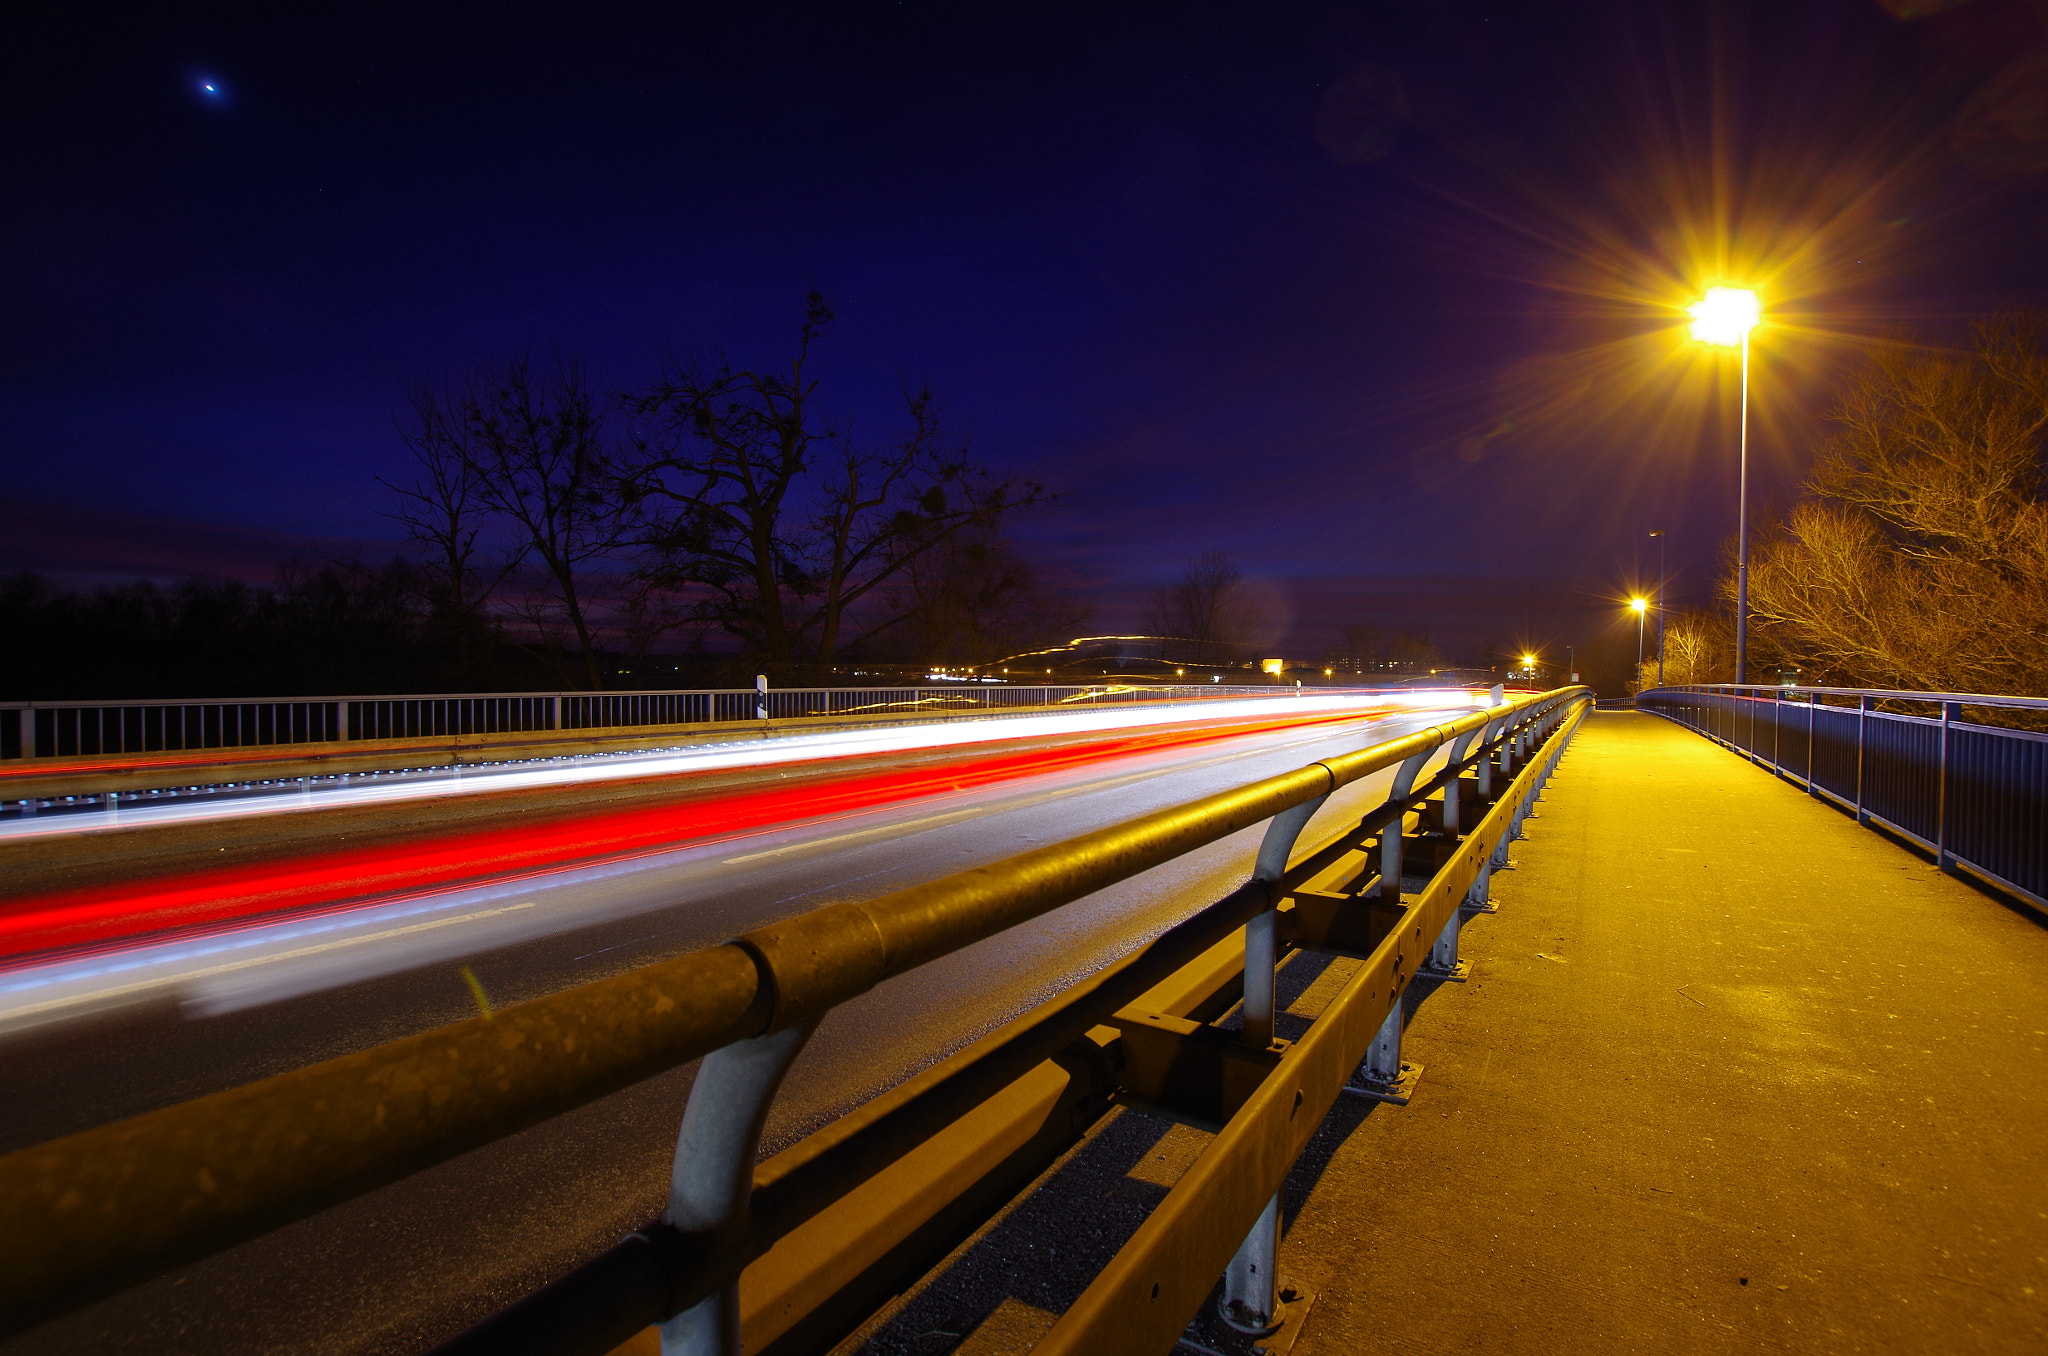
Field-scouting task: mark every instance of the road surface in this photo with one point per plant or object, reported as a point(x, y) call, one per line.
point(407, 1266)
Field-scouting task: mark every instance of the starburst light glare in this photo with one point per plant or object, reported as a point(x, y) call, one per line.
point(1725, 315)
point(1639, 604)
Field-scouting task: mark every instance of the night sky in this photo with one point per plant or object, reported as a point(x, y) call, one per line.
point(1379, 297)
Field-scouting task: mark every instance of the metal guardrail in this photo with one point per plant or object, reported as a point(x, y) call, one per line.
point(87, 728)
point(1975, 795)
point(827, 1227)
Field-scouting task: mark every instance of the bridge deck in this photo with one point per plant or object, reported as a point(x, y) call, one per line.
point(1733, 1075)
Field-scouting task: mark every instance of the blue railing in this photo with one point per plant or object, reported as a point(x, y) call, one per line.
point(1931, 767)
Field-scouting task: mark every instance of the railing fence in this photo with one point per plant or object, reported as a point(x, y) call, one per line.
point(88, 728)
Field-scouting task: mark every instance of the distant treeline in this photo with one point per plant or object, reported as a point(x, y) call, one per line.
point(338, 628)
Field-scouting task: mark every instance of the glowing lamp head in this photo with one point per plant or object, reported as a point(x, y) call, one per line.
point(1528, 661)
point(1639, 604)
point(1725, 315)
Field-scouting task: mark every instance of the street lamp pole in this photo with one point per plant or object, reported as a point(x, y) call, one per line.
point(1661, 536)
point(1725, 316)
point(1742, 531)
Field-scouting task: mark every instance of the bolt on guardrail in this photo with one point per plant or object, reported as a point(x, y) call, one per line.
point(87, 1214)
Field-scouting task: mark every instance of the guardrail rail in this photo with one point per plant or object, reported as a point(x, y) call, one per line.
point(1928, 767)
point(792, 1254)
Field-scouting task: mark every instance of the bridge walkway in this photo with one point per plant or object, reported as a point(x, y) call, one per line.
point(1733, 1074)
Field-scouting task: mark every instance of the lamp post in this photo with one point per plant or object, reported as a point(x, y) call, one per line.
point(1659, 534)
point(1725, 316)
point(1641, 607)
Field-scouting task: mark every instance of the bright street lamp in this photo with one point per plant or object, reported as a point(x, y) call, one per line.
point(1725, 316)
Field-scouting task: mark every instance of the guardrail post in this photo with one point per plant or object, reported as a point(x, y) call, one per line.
point(760, 696)
point(28, 732)
point(1261, 951)
point(1390, 836)
point(1383, 1059)
point(1460, 749)
point(1251, 1283)
point(713, 1175)
point(1442, 961)
point(1486, 751)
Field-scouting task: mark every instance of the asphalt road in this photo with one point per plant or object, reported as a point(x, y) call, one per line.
point(405, 1267)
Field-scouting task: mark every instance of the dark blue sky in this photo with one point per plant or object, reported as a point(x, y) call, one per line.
point(1376, 296)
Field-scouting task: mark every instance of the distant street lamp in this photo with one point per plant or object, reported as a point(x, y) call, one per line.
point(1661, 537)
point(1725, 316)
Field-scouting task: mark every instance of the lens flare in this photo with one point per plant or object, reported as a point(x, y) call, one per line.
point(1725, 315)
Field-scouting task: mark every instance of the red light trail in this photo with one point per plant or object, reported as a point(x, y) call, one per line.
point(97, 916)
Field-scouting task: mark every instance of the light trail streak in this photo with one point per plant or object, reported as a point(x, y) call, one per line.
point(262, 960)
point(340, 878)
point(461, 781)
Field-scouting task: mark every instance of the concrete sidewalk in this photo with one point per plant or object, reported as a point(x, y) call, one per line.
point(1732, 1075)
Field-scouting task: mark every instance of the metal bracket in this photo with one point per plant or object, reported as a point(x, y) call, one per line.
point(1398, 1090)
point(1288, 1321)
point(1186, 1071)
point(1343, 925)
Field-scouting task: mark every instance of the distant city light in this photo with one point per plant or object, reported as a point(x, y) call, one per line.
point(1725, 315)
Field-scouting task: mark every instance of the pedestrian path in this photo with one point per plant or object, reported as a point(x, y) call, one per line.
point(1732, 1075)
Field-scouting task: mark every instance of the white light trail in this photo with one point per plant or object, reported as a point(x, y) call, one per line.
point(766, 752)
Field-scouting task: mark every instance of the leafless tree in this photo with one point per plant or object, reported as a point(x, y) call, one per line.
point(1697, 649)
point(530, 450)
point(778, 525)
point(443, 510)
point(974, 599)
point(1920, 559)
point(1204, 607)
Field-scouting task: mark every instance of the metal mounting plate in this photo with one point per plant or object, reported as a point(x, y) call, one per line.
point(1398, 1092)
